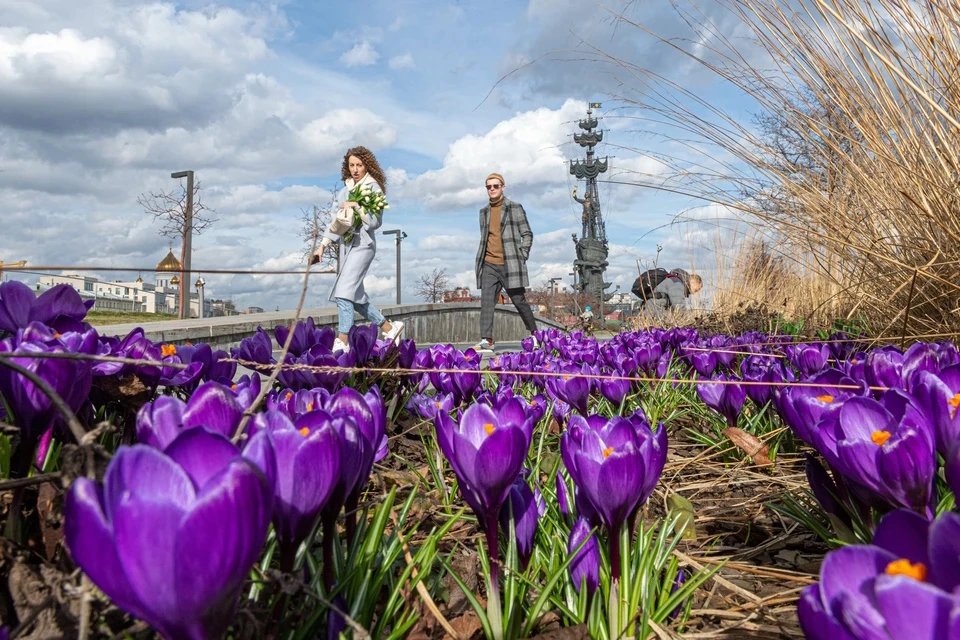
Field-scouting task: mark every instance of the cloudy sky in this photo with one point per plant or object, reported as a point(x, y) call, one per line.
point(100, 100)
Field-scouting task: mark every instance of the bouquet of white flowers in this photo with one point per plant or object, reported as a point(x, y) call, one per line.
point(371, 202)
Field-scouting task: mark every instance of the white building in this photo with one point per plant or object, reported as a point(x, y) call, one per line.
point(163, 296)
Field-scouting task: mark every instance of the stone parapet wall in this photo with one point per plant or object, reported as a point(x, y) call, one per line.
point(425, 323)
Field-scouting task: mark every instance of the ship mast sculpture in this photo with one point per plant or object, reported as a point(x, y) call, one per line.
point(592, 249)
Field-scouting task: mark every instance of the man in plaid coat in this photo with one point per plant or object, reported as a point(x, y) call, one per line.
point(505, 241)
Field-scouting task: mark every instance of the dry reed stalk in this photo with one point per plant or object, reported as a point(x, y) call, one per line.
point(857, 176)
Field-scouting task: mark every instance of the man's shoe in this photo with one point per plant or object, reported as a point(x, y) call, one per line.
point(340, 345)
point(483, 345)
point(396, 328)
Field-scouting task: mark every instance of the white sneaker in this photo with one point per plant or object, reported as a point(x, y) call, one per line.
point(483, 345)
point(340, 345)
point(396, 328)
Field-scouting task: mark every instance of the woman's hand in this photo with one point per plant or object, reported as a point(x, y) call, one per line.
point(349, 205)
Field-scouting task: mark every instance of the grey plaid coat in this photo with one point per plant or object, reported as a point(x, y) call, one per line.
point(517, 241)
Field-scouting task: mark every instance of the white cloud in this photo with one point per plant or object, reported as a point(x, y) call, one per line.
point(363, 54)
point(257, 198)
point(342, 128)
point(404, 61)
point(526, 149)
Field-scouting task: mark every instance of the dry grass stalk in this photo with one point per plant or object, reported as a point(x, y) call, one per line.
point(856, 179)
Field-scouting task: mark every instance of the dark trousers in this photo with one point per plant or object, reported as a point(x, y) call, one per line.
point(492, 280)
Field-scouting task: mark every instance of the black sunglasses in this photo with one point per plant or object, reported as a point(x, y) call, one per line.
point(490, 187)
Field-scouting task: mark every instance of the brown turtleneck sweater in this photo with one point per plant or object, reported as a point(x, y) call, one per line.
point(494, 253)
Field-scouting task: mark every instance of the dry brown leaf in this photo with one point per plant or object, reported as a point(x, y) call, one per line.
point(759, 452)
point(50, 523)
point(467, 626)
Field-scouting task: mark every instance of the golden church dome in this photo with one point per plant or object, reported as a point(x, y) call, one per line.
point(169, 263)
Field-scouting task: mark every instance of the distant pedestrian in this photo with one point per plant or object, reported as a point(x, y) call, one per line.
point(505, 242)
point(360, 167)
point(673, 292)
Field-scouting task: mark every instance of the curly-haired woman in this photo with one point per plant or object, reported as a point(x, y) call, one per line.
point(360, 167)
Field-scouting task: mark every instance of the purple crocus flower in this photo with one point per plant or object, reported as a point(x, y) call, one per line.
point(678, 583)
point(886, 446)
point(427, 406)
point(308, 465)
point(212, 364)
point(827, 492)
point(884, 367)
point(212, 406)
point(246, 389)
point(723, 397)
point(305, 335)
point(571, 387)
point(614, 390)
point(561, 410)
point(362, 339)
point(951, 469)
point(145, 537)
point(257, 348)
point(31, 409)
point(317, 356)
point(585, 565)
point(757, 369)
point(704, 362)
point(563, 495)
point(522, 503)
point(803, 407)
point(60, 307)
point(486, 450)
point(940, 394)
point(809, 359)
point(615, 465)
point(901, 586)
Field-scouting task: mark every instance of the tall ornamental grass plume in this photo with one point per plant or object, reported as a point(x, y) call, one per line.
point(844, 167)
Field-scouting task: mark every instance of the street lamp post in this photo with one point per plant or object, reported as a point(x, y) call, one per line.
point(187, 247)
point(553, 297)
point(399, 236)
point(199, 284)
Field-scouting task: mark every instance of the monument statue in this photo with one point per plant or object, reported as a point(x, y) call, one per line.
point(592, 248)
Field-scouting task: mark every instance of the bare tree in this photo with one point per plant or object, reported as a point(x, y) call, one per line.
point(313, 221)
point(430, 286)
point(170, 207)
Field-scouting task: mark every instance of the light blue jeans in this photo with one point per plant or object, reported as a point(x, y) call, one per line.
point(346, 309)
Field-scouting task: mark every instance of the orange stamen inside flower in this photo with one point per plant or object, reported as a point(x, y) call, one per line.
point(305, 432)
point(437, 405)
point(288, 396)
point(233, 387)
point(825, 398)
point(57, 334)
point(880, 438)
point(488, 428)
point(904, 567)
point(954, 402)
point(310, 406)
point(168, 350)
point(566, 378)
point(607, 452)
